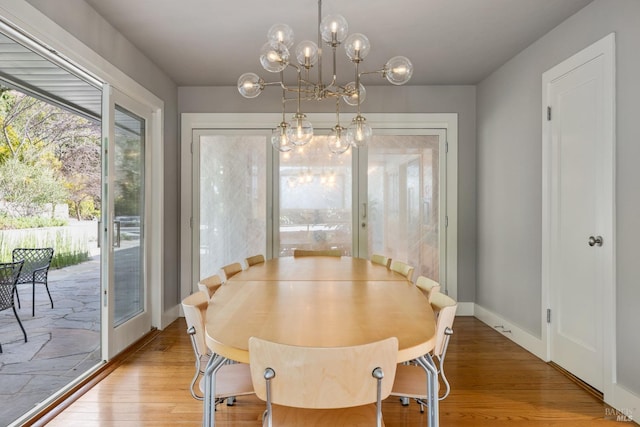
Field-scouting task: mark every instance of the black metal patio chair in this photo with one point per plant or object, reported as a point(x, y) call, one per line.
point(35, 270)
point(9, 272)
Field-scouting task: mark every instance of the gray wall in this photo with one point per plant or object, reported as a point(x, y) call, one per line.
point(384, 99)
point(510, 180)
point(85, 24)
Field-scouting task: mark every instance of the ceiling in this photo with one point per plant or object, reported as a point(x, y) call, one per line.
point(211, 43)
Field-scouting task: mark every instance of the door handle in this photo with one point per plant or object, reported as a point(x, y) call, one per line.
point(595, 241)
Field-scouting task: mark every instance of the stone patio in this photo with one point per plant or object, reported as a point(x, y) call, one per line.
point(63, 343)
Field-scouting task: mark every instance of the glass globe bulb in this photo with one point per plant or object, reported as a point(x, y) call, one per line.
point(279, 138)
point(333, 29)
point(307, 53)
point(300, 131)
point(359, 132)
point(250, 85)
point(338, 140)
point(357, 47)
point(281, 33)
point(274, 56)
point(398, 70)
point(352, 98)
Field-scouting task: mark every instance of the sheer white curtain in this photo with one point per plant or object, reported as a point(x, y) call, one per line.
point(233, 199)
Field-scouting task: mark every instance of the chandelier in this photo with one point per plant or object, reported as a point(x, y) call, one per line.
point(276, 57)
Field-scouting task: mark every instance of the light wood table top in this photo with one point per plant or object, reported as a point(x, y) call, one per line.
point(319, 301)
point(317, 268)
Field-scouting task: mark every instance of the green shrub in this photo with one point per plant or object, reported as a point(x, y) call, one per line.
point(11, 223)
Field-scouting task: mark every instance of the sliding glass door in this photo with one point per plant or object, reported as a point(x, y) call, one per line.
point(126, 295)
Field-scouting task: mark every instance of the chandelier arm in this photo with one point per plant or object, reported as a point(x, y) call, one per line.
point(358, 86)
point(380, 71)
point(283, 97)
point(299, 90)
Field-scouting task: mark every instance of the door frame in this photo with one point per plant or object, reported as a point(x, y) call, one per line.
point(115, 339)
point(191, 122)
point(605, 48)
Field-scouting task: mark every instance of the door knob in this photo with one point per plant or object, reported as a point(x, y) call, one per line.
point(597, 240)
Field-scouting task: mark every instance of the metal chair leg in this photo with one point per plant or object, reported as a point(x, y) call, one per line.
point(20, 323)
point(49, 293)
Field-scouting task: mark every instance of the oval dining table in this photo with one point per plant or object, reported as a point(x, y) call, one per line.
point(319, 301)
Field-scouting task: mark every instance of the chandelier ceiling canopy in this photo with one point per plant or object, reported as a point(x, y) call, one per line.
point(278, 55)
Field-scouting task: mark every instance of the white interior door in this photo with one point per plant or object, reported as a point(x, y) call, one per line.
point(126, 296)
point(581, 221)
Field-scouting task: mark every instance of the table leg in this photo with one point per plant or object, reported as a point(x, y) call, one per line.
point(429, 366)
point(213, 365)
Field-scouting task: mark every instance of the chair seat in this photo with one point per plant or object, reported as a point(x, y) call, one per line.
point(356, 416)
point(410, 381)
point(232, 380)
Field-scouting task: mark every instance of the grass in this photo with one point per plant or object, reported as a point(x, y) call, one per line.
point(70, 246)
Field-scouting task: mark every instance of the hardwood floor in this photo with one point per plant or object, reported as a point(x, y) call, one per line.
point(494, 383)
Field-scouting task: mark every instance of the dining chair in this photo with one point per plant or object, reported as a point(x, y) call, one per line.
point(403, 268)
point(231, 270)
point(313, 386)
point(232, 379)
point(428, 286)
point(210, 285)
point(35, 270)
point(381, 259)
point(9, 272)
point(253, 260)
point(322, 252)
point(411, 380)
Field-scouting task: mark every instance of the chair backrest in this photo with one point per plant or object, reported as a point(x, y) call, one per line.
point(322, 377)
point(9, 272)
point(325, 252)
point(381, 259)
point(195, 311)
point(253, 260)
point(210, 284)
point(428, 286)
point(403, 268)
point(34, 259)
point(231, 270)
point(445, 307)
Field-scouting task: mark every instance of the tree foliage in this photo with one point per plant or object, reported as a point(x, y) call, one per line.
point(47, 155)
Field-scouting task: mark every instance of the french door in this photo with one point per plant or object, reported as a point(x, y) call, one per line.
point(404, 214)
point(126, 307)
point(249, 198)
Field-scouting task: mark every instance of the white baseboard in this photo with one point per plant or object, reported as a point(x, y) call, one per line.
point(465, 309)
point(518, 335)
point(170, 315)
point(626, 403)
